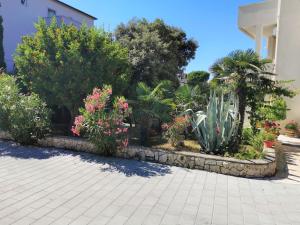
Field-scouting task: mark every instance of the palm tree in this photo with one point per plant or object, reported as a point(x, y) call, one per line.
point(188, 97)
point(250, 80)
point(150, 104)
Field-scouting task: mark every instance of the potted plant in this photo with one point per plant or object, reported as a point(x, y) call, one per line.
point(269, 140)
point(292, 129)
point(272, 127)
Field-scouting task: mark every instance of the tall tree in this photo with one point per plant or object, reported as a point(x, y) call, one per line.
point(250, 79)
point(2, 60)
point(157, 51)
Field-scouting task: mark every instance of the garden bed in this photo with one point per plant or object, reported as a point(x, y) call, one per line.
point(244, 168)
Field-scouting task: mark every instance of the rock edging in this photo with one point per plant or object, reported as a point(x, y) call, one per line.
point(243, 168)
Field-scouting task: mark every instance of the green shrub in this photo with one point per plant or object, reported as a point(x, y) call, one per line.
point(247, 135)
point(62, 63)
point(248, 153)
point(174, 131)
point(269, 137)
point(29, 119)
point(26, 118)
point(9, 95)
point(257, 141)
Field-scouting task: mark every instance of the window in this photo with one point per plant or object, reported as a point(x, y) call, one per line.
point(51, 13)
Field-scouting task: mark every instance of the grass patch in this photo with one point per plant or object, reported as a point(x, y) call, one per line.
point(188, 145)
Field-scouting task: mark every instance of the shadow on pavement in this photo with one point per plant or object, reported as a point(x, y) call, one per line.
point(107, 164)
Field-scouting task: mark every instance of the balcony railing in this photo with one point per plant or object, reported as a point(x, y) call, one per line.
point(63, 19)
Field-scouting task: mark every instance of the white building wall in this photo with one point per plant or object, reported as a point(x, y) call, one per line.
point(19, 19)
point(288, 50)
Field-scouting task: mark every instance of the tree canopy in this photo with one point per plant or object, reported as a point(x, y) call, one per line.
point(157, 51)
point(197, 77)
point(64, 63)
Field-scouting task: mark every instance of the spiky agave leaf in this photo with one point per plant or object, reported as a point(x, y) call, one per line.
point(216, 128)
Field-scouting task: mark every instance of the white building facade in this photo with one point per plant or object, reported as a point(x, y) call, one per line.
point(277, 24)
point(19, 17)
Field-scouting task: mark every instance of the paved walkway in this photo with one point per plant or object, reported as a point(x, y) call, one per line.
point(47, 186)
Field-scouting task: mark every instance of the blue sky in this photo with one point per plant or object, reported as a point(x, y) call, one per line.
point(212, 23)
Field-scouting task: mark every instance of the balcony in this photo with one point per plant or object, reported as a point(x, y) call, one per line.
point(258, 15)
point(63, 19)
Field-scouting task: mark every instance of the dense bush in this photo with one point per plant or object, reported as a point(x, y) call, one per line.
point(29, 119)
point(9, 95)
point(63, 64)
point(174, 131)
point(102, 122)
point(26, 118)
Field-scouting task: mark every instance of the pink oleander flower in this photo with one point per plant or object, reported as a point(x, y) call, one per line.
point(118, 131)
point(95, 96)
point(79, 120)
point(90, 107)
point(125, 130)
point(107, 133)
point(75, 131)
point(100, 106)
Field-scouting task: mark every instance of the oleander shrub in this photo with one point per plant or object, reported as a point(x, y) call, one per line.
point(9, 94)
point(102, 121)
point(174, 131)
point(25, 117)
point(29, 119)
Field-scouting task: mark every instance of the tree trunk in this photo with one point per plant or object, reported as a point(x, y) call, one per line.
point(241, 92)
point(144, 132)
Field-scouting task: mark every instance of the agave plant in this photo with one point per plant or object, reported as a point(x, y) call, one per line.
point(216, 128)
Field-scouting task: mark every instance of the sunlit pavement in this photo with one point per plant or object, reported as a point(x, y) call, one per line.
point(49, 186)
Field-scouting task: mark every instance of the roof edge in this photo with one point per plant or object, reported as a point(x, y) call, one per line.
point(78, 10)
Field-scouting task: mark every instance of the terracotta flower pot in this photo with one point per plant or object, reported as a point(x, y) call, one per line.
point(269, 144)
point(291, 133)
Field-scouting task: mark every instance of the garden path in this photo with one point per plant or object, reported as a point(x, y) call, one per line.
point(50, 186)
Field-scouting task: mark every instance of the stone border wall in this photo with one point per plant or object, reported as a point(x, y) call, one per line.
point(229, 166)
